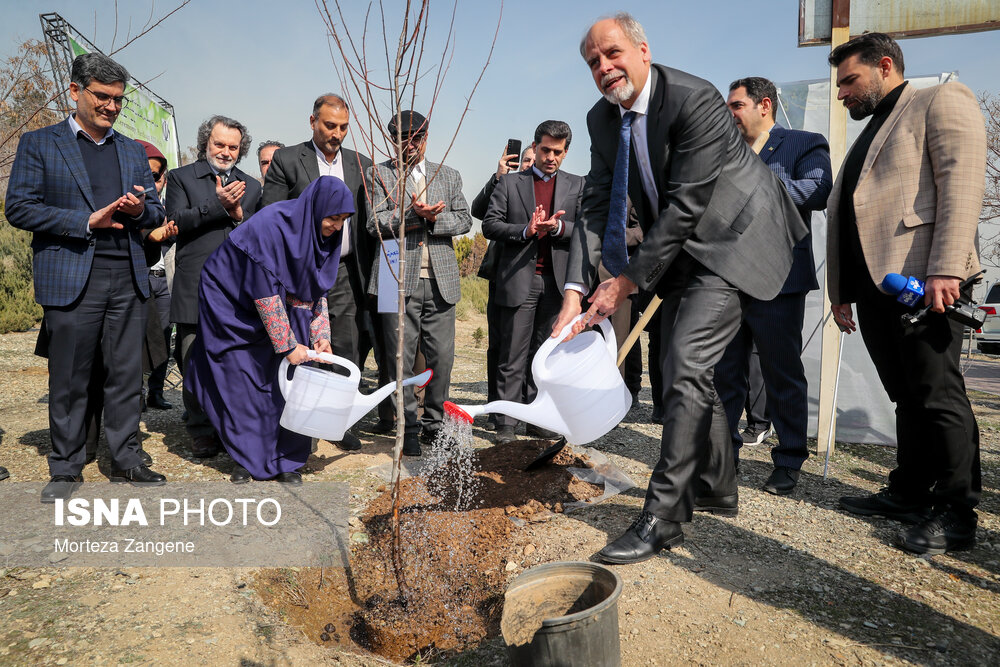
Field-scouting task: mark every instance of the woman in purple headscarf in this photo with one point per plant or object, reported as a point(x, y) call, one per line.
point(262, 299)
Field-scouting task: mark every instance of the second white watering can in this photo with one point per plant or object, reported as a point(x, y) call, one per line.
point(581, 394)
point(324, 404)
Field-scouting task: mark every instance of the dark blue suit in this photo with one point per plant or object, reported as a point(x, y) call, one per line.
point(802, 161)
point(49, 194)
point(88, 309)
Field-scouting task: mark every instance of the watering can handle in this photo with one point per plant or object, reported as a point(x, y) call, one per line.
point(285, 385)
point(354, 373)
point(545, 349)
point(606, 329)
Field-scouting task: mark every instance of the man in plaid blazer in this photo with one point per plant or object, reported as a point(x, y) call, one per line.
point(84, 192)
point(436, 211)
point(907, 201)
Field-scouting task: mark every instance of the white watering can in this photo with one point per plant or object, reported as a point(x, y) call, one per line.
point(581, 394)
point(324, 404)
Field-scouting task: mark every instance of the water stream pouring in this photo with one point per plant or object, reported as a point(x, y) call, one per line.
point(581, 394)
point(324, 404)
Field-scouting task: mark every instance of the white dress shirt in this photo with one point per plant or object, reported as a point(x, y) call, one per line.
point(335, 167)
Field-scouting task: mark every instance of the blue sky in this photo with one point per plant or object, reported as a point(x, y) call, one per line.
point(263, 62)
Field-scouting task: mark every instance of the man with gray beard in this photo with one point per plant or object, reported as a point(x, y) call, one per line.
point(718, 227)
point(207, 199)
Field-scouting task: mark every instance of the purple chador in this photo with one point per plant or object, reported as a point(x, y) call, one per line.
point(262, 293)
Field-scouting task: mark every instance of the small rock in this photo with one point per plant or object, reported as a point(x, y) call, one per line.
point(37, 643)
point(869, 624)
point(42, 583)
point(511, 566)
point(360, 538)
point(61, 661)
point(529, 549)
point(90, 600)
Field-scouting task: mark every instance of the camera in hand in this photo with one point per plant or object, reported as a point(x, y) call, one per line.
point(910, 292)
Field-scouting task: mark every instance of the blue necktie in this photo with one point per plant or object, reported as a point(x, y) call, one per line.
point(614, 253)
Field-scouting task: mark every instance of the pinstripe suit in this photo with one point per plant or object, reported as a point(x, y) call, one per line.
point(917, 202)
point(802, 161)
point(430, 302)
point(87, 309)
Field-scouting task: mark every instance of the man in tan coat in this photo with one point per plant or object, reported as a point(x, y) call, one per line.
point(907, 201)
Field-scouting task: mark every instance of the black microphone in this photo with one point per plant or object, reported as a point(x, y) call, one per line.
point(910, 291)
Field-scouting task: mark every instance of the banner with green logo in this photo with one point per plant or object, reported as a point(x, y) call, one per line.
point(144, 118)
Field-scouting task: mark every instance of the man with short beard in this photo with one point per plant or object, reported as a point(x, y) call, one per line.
point(907, 201)
point(207, 199)
point(291, 171)
point(717, 227)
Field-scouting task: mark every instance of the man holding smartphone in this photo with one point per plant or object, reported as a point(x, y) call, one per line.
point(79, 187)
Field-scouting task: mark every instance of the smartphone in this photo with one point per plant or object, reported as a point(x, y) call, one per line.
point(148, 191)
point(514, 148)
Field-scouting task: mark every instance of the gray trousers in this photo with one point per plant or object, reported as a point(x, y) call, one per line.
point(700, 314)
point(430, 323)
point(198, 423)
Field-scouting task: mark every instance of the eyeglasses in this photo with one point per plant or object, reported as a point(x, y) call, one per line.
point(157, 175)
point(103, 99)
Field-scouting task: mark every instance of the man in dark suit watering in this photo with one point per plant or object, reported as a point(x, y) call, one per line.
point(717, 227)
point(85, 192)
point(802, 161)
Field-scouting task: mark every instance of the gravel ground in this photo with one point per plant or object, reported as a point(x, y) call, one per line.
point(791, 580)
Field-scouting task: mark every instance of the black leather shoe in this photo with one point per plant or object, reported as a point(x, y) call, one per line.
point(185, 415)
point(3, 473)
point(205, 446)
point(718, 505)
point(349, 443)
point(887, 504)
point(429, 435)
point(657, 416)
point(146, 459)
point(138, 476)
point(944, 531)
point(411, 444)
point(240, 475)
point(290, 478)
point(505, 435)
point(156, 400)
point(782, 481)
point(539, 432)
point(643, 540)
point(61, 487)
point(384, 427)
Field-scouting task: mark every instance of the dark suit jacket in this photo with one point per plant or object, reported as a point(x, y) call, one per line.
point(717, 200)
point(488, 267)
point(202, 225)
point(292, 170)
point(49, 195)
point(802, 161)
point(510, 210)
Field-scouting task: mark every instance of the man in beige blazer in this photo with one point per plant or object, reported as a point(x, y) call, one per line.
point(907, 201)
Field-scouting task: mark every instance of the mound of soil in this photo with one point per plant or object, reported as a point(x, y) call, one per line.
point(453, 559)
